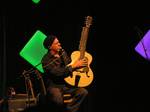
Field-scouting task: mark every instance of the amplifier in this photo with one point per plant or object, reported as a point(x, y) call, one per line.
point(20, 102)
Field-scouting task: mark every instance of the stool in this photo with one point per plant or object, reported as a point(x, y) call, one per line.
point(67, 98)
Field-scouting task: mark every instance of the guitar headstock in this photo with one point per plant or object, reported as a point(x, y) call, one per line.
point(88, 21)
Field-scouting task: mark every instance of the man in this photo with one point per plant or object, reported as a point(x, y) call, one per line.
point(56, 64)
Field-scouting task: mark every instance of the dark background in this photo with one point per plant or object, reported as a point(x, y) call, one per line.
point(121, 76)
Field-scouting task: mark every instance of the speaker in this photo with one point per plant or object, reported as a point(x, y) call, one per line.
point(20, 102)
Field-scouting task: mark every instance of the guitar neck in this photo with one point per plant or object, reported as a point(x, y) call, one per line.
point(83, 41)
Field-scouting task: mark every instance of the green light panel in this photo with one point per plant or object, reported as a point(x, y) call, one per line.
point(36, 1)
point(34, 50)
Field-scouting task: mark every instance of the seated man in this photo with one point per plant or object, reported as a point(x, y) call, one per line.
point(55, 64)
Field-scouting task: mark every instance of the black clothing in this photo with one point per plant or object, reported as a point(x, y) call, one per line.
point(56, 70)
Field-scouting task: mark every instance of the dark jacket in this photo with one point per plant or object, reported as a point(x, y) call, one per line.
point(56, 69)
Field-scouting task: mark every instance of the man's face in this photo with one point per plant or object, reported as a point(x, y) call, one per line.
point(56, 46)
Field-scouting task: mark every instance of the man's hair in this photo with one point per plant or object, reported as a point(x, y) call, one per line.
point(48, 41)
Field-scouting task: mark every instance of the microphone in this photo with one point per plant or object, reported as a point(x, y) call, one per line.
point(60, 51)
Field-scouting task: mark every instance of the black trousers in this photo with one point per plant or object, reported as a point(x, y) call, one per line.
point(55, 94)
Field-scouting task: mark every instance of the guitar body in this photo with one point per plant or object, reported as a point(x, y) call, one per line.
point(81, 77)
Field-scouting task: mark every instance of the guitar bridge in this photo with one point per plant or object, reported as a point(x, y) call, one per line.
point(84, 70)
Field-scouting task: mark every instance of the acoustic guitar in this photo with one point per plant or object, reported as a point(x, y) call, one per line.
point(84, 76)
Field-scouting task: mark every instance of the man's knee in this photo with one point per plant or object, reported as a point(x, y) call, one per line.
point(56, 95)
point(83, 91)
point(58, 100)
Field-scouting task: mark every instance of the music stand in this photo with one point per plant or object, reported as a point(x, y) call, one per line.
point(143, 47)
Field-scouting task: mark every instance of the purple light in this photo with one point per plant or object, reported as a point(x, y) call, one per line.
point(143, 47)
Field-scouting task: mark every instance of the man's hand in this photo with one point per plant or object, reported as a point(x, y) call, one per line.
point(80, 63)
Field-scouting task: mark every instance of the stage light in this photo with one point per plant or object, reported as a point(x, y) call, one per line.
point(36, 1)
point(34, 50)
point(143, 47)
